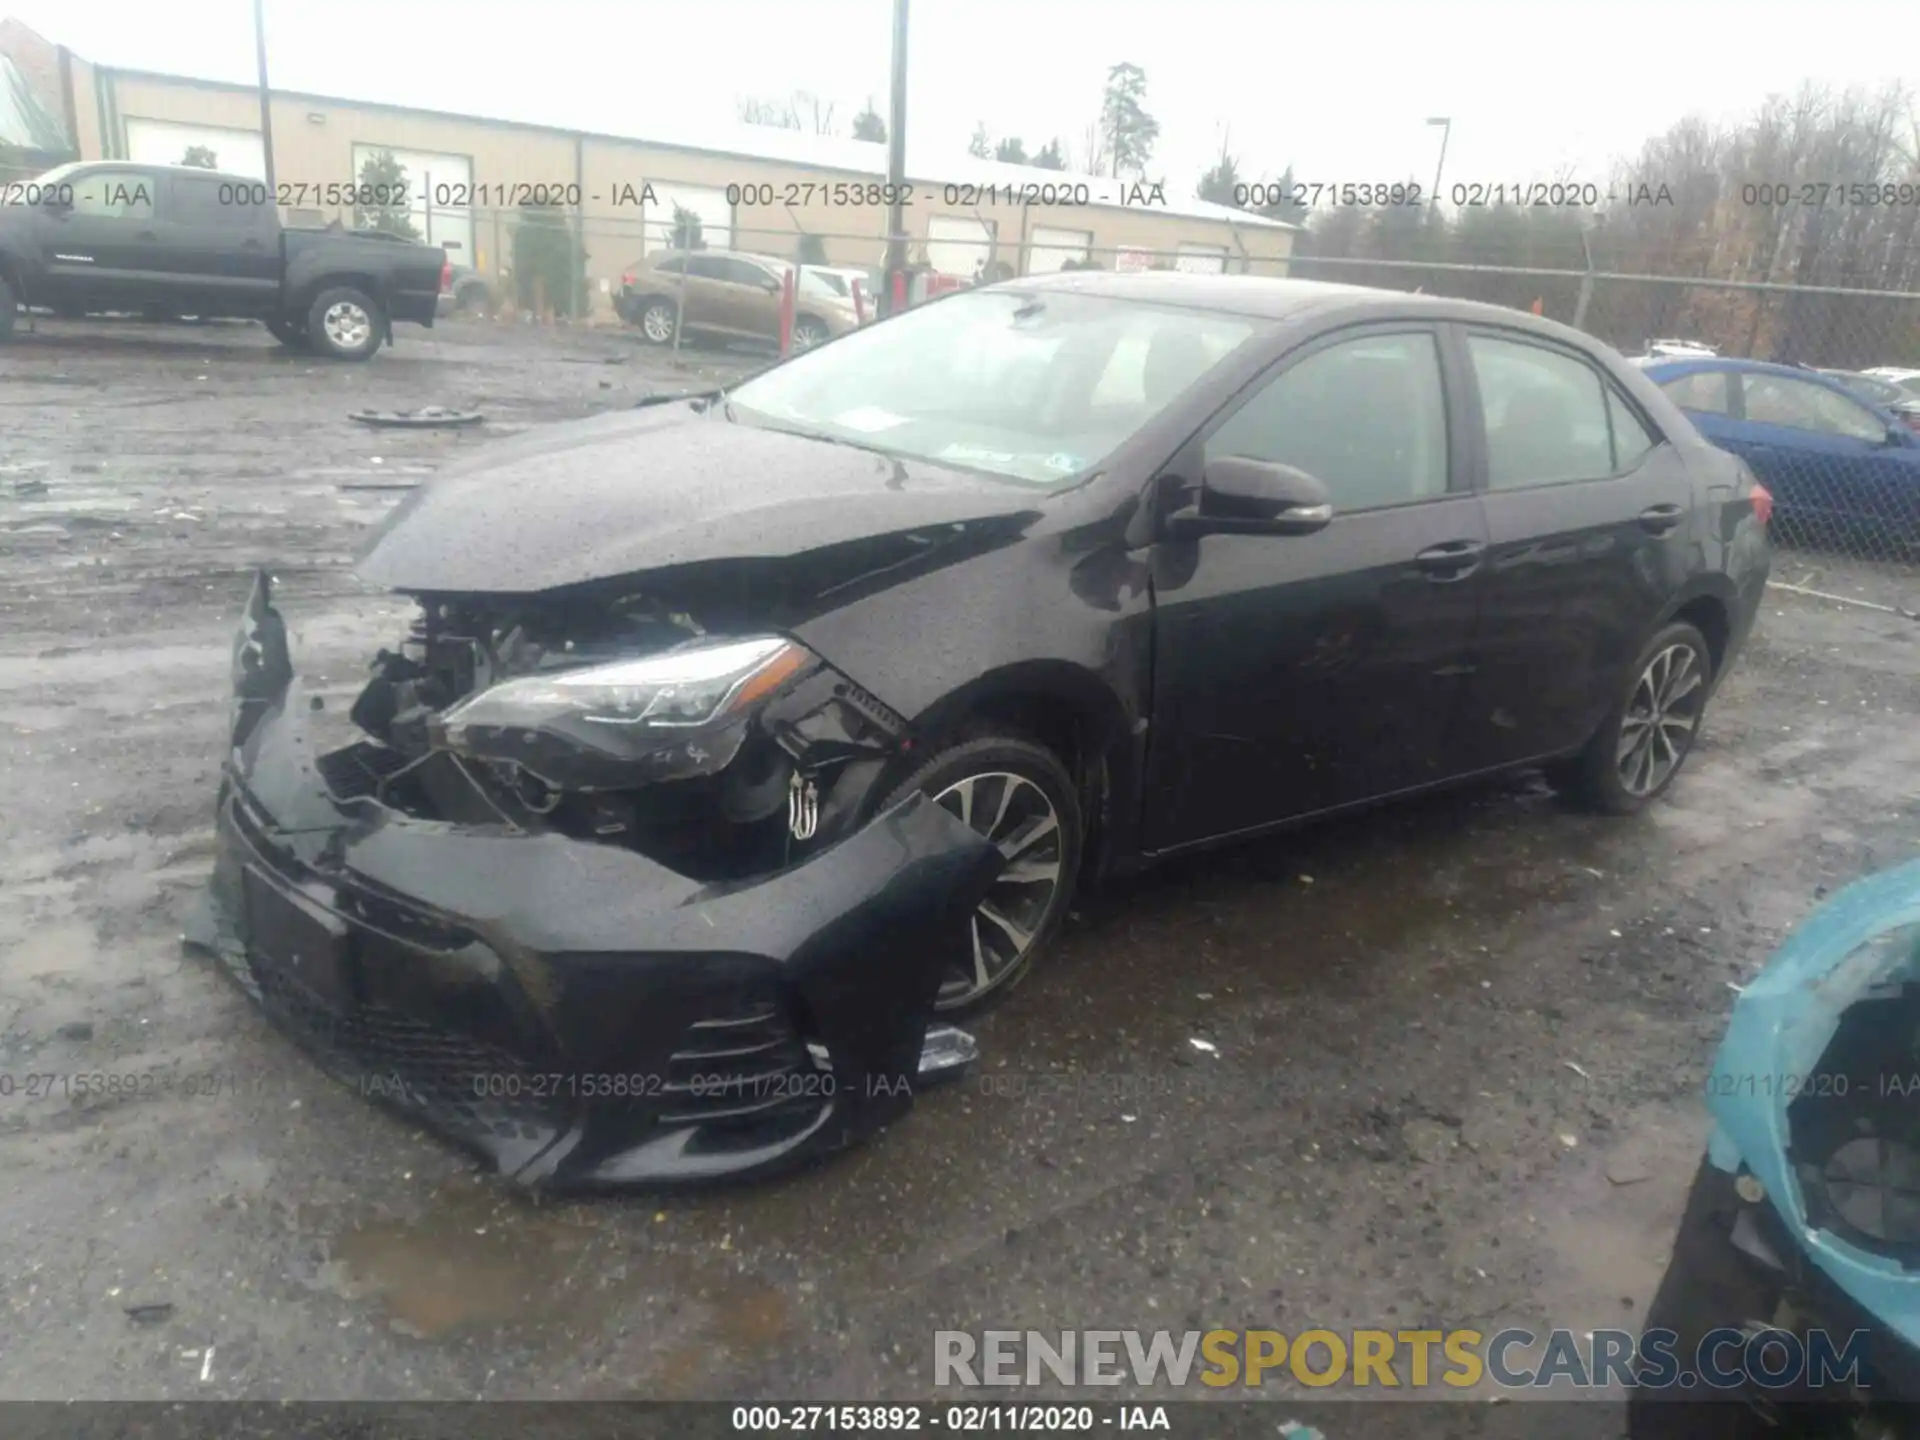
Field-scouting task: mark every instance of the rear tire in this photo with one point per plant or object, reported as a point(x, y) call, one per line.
point(1018, 794)
point(658, 320)
point(346, 324)
point(1640, 747)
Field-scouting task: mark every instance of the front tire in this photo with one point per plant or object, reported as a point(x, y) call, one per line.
point(1639, 748)
point(1020, 796)
point(346, 324)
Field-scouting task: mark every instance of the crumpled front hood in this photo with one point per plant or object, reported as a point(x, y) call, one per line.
point(656, 487)
point(1781, 1027)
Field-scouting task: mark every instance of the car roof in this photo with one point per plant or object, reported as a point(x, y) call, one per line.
point(1734, 362)
point(143, 168)
point(1271, 298)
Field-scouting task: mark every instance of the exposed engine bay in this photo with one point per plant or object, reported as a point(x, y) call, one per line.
point(623, 723)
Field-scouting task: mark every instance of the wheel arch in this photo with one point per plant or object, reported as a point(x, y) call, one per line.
point(1707, 605)
point(1071, 711)
point(312, 290)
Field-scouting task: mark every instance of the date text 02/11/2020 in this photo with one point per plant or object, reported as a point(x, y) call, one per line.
point(1834, 1083)
point(960, 1419)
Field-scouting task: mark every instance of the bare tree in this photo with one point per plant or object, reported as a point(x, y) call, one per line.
point(780, 114)
point(802, 110)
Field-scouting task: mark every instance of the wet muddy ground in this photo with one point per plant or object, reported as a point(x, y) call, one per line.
point(1455, 1046)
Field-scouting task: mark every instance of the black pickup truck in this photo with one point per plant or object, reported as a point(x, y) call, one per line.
point(163, 240)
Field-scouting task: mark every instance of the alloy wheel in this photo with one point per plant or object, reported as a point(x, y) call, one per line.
point(806, 336)
point(1016, 815)
point(1660, 719)
point(347, 324)
point(657, 324)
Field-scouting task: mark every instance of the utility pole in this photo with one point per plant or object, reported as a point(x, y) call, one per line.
point(1446, 131)
point(266, 105)
point(893, 297)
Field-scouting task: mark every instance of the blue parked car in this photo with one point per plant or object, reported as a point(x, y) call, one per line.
point(1834, 462)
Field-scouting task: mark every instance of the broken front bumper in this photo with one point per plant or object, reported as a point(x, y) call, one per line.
point(576, 1013)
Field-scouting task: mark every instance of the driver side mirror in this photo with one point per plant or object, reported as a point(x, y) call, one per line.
point(1242, 496)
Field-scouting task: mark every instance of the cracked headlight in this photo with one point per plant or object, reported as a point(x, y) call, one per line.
point(681, 711)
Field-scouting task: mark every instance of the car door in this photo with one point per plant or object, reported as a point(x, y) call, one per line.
point(220, 244)
point(716, 297)
point(1294, 674)
point(101, 252)
point(1591, 529)
point(751, 297)
point(1830, 462)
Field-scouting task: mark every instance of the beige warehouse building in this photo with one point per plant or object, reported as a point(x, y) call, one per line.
point(753, 188)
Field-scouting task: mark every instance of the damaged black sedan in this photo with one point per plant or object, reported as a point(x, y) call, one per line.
point(744, 741)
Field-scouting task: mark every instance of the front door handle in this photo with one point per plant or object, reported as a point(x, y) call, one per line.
point(1453, 560)
point(1659, 519)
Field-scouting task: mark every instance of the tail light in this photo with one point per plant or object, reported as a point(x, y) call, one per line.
point(446, 277)
point(626, 278)
point(1762, 499)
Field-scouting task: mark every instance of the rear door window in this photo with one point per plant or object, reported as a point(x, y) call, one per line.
point(1705, 392)
point(1546, 415)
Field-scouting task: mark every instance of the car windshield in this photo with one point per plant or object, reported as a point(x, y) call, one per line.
point(1035, 387)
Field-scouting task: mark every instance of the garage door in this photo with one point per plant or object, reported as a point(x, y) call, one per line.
point(710, 204)
point(439, 196)
point(161, 142)
point(1048, 249)
point(958, 244)
point(1202, 259)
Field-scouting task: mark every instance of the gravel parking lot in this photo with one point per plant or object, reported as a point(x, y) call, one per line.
point(1457, 1045)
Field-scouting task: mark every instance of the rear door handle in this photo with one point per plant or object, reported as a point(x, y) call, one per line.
point(1659, 519)
point(1453, 560)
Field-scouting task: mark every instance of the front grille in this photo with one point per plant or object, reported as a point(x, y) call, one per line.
point(742, 1067)
point(359, 770)
point(452, 1080)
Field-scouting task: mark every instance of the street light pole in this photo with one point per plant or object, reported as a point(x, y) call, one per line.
point(892, 296)
point(266, 107)
point(1446, 130)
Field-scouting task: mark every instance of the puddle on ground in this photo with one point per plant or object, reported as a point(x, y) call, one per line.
point(483, 1258)
point(476, 1257)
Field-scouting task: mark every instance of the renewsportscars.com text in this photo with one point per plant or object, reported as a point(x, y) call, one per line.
point(1725, 1359)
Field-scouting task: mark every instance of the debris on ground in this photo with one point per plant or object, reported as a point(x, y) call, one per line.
point(427, 417)
point(151, 1313)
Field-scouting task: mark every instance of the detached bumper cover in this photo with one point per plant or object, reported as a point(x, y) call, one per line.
point(578, 1014)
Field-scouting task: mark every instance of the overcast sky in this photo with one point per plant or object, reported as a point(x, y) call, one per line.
point(1341, 89)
